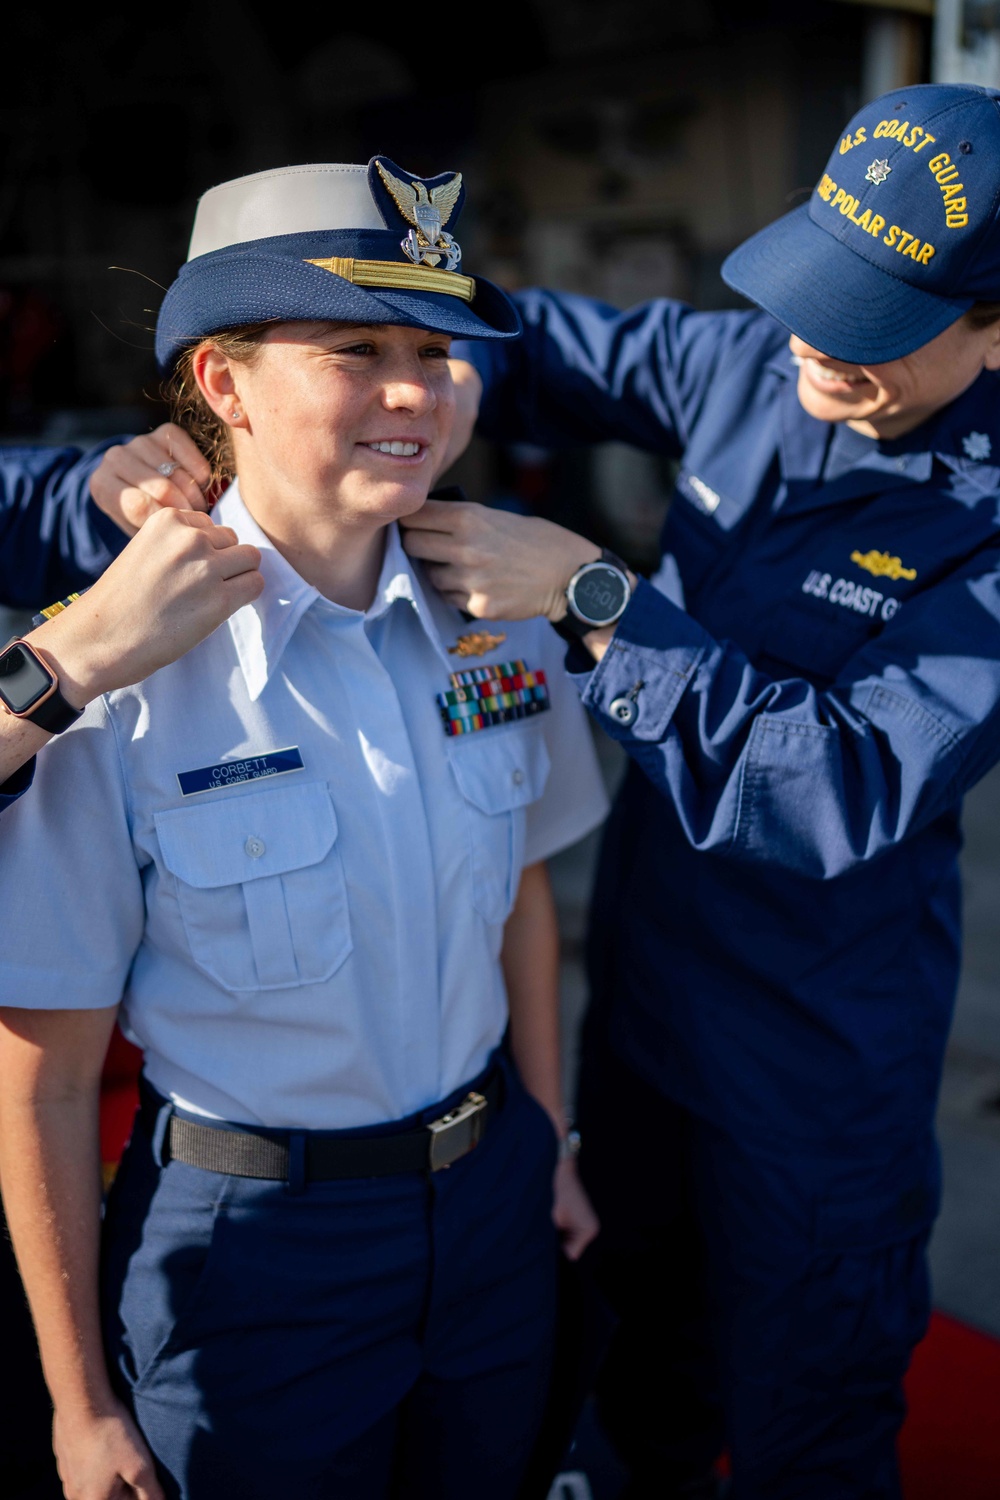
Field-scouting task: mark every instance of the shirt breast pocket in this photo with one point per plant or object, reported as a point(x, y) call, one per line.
point(260, 886)
point(499, 775)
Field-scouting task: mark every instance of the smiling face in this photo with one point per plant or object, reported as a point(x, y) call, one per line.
point(348, 421)
point(888, 400)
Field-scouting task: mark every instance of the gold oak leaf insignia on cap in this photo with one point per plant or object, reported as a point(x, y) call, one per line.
point(882, 565)
point(476, 643)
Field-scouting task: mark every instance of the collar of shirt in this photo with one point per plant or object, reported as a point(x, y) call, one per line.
point(262, 630)
point(963, 435)
point(805, 446)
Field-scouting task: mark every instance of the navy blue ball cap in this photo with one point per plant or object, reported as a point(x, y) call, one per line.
point(902, 232)
point(330, 242)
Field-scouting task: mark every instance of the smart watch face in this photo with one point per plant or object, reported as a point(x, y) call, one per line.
point(598, 594)
point(24, 682)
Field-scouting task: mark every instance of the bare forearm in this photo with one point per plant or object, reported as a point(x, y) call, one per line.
point(50, 1176)
point(531, 969)
point(50, 1171)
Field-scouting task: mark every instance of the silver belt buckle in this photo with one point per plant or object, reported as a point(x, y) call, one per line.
point(457, 1132)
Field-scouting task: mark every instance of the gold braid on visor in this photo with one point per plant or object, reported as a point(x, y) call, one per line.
point(394, 275)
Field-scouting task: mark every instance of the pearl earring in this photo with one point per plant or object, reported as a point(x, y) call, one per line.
point(237, 414)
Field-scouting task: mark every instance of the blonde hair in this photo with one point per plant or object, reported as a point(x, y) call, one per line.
point(190, 410)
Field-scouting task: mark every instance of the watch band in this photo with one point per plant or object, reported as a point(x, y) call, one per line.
point(571, 627)
point(51, 713)
point(54, 714)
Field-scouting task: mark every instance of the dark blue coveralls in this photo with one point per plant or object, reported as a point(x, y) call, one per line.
point(53, 540)
point(775, 936)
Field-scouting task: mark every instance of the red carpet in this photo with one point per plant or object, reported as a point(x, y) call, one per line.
point(950, 1447)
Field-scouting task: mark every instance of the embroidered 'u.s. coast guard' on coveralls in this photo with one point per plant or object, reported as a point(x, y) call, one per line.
point(815, 679)
point(310, 943)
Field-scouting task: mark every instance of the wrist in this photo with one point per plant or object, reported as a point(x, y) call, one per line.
point(579, 552)
point(74, 660)
point(596, 597)
point(76, 1412)
point(80, 1390)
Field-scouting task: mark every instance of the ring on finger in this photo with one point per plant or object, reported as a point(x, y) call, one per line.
point(167, 468)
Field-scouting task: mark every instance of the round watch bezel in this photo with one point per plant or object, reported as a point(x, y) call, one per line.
point(599, 564)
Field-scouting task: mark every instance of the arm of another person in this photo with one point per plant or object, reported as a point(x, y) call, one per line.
point(49, 542)
point(65, 514)
point(530, 960)
point(175, 582)
point(774, 770)
point(50, 1173)
point(583, 372)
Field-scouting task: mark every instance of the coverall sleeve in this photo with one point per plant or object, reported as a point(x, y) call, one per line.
point(776, 772)
point(583, 372)
point(15, 786)
point(53, 539)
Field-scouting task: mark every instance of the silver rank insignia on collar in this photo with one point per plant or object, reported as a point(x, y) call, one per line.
point(426, 243)
point(977, 446)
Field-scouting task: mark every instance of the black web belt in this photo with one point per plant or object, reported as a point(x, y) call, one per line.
point(268, 1154)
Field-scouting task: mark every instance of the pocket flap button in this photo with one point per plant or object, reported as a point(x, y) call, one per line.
point(517, 776)
point(623, 710)
point(254, 846)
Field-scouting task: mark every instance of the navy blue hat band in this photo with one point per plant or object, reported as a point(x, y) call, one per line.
point(229, 291)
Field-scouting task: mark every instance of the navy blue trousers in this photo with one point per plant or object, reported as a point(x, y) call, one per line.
point(768, 1299)
point(353, 1340)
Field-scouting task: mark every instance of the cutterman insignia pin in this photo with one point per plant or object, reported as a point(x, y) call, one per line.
point(882, 564)
point(476, 643)
point(878, 172)
point(977, 445)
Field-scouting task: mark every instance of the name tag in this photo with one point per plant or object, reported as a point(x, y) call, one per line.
point(233, 772)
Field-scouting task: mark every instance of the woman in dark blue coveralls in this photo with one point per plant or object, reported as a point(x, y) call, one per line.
point(805, 690)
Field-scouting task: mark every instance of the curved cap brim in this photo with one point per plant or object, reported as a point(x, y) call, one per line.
point(832, 298)
point(223, 291)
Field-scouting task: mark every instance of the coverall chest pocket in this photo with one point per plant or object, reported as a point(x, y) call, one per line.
point(260, 886)
point(815, 644)
point(498, 776)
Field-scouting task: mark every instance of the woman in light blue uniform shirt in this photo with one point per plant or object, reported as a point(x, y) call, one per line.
point(307, 862)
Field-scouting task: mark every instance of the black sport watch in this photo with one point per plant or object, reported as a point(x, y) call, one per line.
point(596, 595)
point(29, 689)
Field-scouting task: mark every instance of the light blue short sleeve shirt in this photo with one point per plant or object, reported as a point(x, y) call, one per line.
point(272, 853)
